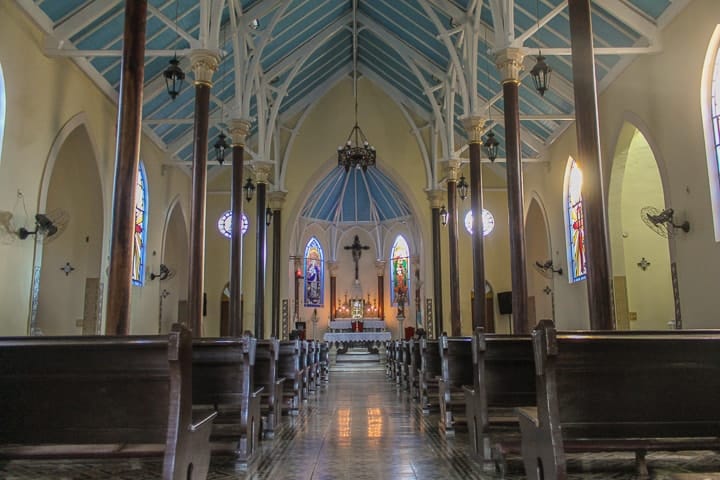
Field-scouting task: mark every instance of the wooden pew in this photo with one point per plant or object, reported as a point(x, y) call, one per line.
point(289, 368)
point(456, 372)
point(389, 358)
point(406, 365)
point(324, 363)
point(620, 392)
point(429, 374)
point(304, 370)
point(398, 367)
point(98, 396)
point(224, 370)
point(415, 361)
point(266, 376)
point(503, 378)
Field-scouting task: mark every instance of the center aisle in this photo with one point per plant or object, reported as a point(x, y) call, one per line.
point(361, 427)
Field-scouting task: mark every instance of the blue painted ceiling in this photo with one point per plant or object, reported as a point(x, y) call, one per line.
point(389, 31)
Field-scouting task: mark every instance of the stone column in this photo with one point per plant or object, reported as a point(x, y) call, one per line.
point(262, 176)
point(204, 64)
point(127, 157)
point(436, 201)
point(238, 130)
point(509, 62)
point(380, 266)
point(277, 199)
point(475, 127)
point(452, 168)
point(597, 252)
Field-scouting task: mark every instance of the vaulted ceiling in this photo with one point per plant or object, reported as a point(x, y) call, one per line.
point(281, 56)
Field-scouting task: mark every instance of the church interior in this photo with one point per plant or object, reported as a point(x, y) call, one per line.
point(320, 170)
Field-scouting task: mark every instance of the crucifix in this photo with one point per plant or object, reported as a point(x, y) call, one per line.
point(357, 249)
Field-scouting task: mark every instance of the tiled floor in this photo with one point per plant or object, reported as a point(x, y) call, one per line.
point(362, 427)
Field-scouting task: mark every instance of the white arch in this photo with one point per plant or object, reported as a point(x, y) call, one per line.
point(706, 85)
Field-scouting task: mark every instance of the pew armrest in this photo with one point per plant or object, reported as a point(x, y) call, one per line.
point(257, 392)
point(528, 414)
point(280, 381)
point(205, 422)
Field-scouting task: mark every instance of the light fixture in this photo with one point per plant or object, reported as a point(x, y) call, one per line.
point(268, 216)
point(359, 154)
point(541, 74)
point(173, 74)
point(249, 189)
point(221, 147)
point(491, 146)
point(462, 187)
point(444, 215)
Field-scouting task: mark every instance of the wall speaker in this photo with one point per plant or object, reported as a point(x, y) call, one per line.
point(505, 303)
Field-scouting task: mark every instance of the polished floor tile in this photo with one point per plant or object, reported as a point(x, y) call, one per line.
point(361, 426)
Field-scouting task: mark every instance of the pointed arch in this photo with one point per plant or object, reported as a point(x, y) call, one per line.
point(710, 107)
point(399, 270)
point(574, 221)
point(314, 273)
point(140, 235)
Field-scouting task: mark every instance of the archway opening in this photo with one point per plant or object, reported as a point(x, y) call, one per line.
point(540, 267)
point(173, 288)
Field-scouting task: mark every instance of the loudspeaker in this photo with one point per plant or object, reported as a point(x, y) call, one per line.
point(505, 303)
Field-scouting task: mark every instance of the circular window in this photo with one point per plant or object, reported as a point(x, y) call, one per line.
point(225, 224)
point(487, 219)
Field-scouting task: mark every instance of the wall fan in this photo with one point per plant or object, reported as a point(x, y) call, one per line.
point(546, 269)
point(50, 225)
point(166, 273)
point(661, 222)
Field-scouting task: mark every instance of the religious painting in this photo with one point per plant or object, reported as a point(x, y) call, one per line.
point(314, 273)
point(399, 265)
point(140, 234)
point(576, 227)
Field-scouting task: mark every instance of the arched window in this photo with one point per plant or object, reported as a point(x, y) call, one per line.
point(399, 270)
point(140, 236)
point(575, 223)
point(2, 109)
point(314, 273)
point(711, 121)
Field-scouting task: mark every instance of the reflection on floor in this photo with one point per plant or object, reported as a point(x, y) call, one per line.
point(361, 427)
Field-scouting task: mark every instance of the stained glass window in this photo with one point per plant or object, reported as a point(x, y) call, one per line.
point(314, 273)
point(715, 107)
point(140, 236)
point(399, 270)
point(488, 222)
point(576, 227)
point(224, 224)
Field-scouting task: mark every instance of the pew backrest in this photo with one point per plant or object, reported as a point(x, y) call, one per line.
point(224, 370)
point(456, 360)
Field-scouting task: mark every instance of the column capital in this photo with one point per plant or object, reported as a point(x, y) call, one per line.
point(262, 170)
point(277, 199)
point(436, 198)
point(204, 64)
point(332, 267)
point(452, 168)
point(475, 127)
point(380, 267)
point(510, 63)
point(238, 130)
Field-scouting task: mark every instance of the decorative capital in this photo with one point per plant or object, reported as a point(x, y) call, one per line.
point(277, 199)
point(452, 168)
point(204, 64)
point(262, 170)
point(436, 198)
point(510, 64)
point(332, 267)
point(238, 130)
point(380, 267)
point(475, 127)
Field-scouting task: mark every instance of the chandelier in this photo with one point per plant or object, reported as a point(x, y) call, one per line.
point(357, 151)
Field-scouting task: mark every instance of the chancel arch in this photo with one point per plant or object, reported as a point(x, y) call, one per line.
point(641, 253)
point(68, 263)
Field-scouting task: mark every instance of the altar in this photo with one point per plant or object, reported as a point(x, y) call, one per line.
point(364, 330)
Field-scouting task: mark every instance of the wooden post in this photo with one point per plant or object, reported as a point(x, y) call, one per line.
point(600, 301)
point(204, 64)
point(276, 201)
point(332, 268)
point(455, 325)
point(380, 266)
point(238, 134)
point(261, 251)
point(475, 127)
point(127, 157)
point(509, 62)
point(435, 197)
